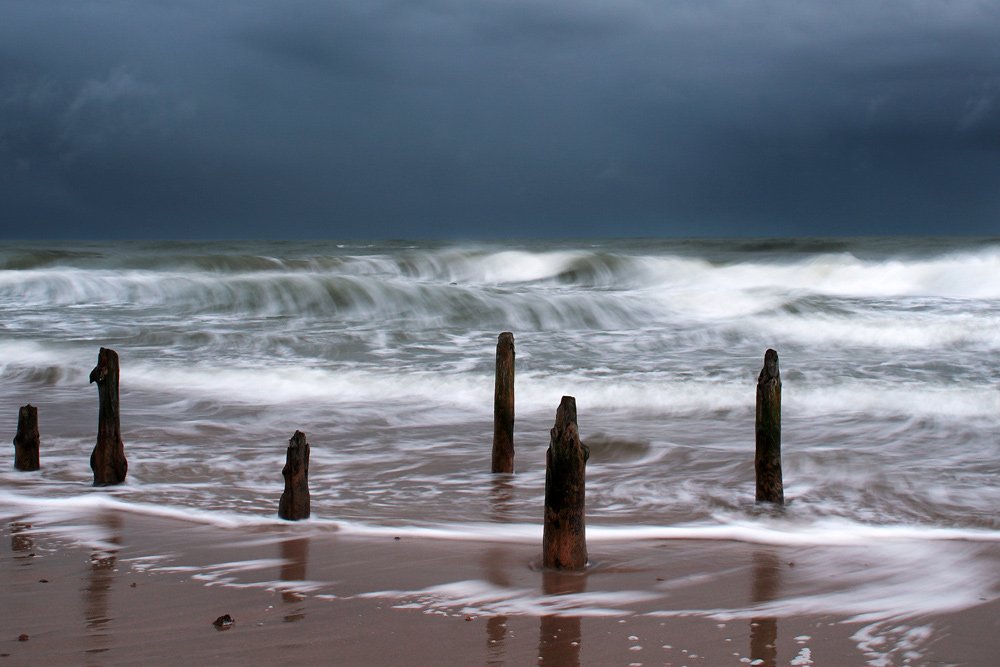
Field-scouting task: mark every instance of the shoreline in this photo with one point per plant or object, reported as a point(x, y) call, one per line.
point(127, 588)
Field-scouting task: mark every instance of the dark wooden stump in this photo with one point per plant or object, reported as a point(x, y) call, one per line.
point(26, 441)
point(767, 459)
point(503, 405)
point(564, 539)
point(108, 459)
point(294, 503)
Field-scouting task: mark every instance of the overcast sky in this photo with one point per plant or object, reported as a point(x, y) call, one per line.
point(498, 118)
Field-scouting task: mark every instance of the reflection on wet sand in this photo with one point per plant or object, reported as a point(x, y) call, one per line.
point(21, 542)
point(559, 636)
point(496, 633)
point(295, 554)
point(97, 616)
point(494, 563)
point(764, 630)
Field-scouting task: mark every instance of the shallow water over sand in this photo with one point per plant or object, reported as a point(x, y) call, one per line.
point(383, 355)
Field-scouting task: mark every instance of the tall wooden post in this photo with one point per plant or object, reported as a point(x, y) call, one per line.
point(294, 502)
point(767, 459)
point(564, 539)
point(108, 459)
point(26, 441)
point(503, 405)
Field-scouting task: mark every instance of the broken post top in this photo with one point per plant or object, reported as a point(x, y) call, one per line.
point(107, 362)
point(770, 369)
point(505, 340)
point(565, 446)
point(298, 439)
point(565, 420)
point(27, 423)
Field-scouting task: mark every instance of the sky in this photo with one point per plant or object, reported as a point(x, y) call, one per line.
point(498, 118)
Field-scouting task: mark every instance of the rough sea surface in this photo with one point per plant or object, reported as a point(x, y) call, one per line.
point(383, 354)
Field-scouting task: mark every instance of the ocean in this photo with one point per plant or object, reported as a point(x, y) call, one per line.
point(383, 354)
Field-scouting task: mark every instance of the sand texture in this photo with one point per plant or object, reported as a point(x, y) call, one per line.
point(146, 590)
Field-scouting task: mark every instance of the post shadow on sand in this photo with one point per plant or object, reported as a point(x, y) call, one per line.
point(97, 616)
point(764, 588)
point(21, 542)
point(560, 637)
point(295, 556)
point(494, 562)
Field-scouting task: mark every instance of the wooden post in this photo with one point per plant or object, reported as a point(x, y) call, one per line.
point(294, 502)
point(26, 440)
point(767, 459)
point(108, 459)
point(564, 539)
point(503, 405)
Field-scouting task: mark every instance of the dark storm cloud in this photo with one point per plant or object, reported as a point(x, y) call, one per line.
point(497, 118)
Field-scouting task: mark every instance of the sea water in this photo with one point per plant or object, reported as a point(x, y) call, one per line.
point(383, 354)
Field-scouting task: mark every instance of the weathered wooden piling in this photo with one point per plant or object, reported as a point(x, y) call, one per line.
point(294, 502)
point(503, 405)
point(564, 539)
point(26, 440)
point(767, 459)
point(108, 459)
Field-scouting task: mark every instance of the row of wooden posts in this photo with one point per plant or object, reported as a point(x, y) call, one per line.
point(564, 544)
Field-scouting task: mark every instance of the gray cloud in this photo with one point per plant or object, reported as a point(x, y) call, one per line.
point(491, 118)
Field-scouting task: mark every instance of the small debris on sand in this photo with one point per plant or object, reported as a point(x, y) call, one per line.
point(223, 622)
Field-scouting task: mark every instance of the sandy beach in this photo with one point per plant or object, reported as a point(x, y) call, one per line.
point(149, 590)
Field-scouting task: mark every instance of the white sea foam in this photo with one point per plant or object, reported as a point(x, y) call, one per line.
point(961, 276)
point(882, 642)
point(830, 532)
point(53, 510)
point(875, 585)
point(482, 597)
point(652, 393)
point(386, 352)
point(684, 283)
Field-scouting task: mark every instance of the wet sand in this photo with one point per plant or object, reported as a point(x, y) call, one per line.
point(118, 588)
